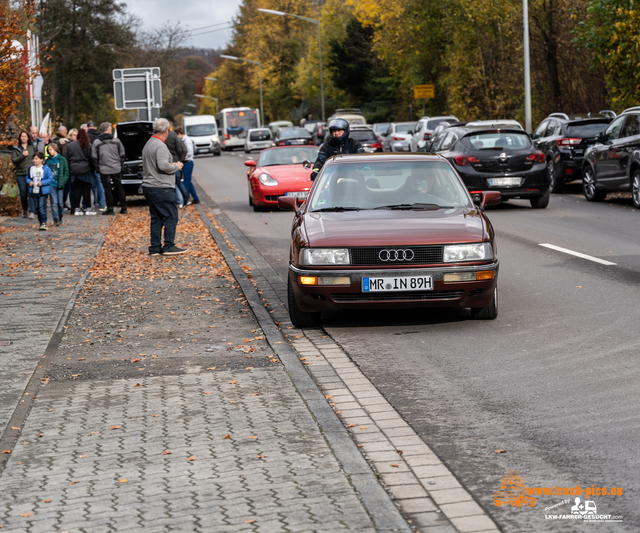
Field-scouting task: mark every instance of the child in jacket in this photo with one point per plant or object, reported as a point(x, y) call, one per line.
point(59, 167)
point(39, 178)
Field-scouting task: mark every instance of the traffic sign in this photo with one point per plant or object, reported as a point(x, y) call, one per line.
point(424, 91)
point(137, 88)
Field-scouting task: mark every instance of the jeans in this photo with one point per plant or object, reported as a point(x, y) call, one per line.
point(187, 171)
point(179, 197)
point(24, 192)
point(40, 200)
point(98, 192)
point(183, 192)
point(57, 202)
point(113, 186)
point(164, 213)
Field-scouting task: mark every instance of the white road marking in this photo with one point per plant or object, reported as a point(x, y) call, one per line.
point(578, 254)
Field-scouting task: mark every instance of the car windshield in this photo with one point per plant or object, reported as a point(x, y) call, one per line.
point(407, 127)
point(388, 185)
point(586, 130)
point(291, 155)
point(294, 133)
point(502, 140)
point(363, 135)
point(199, 130)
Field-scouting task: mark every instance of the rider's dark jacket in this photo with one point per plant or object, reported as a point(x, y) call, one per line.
point(335, 146)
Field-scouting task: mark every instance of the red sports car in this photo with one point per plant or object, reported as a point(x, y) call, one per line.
point(279, 172)
point(387, 232)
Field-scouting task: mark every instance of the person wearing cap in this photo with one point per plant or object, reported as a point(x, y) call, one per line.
point(338, 143)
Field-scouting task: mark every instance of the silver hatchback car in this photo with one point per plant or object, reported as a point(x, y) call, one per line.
point(257, 139)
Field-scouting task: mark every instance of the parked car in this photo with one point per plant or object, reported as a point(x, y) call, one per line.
point(279, 172)
point(563, 139)
point(497, 124)
point(276, 125)
point(353, 116)
point(257, 139)
point(502, 160)
point(319, 132)
point(133, 135)
point(367, 138)
point(423, 130)
point(390, 231)
point(292, 136)
point(613, 162)
point(203, 131)
point(398, 137)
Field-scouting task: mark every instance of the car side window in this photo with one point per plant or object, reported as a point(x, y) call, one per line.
point(551, 128)
point(613, 131)
point(540, 130)
point(448, 141)
point(435, 146)
point(631, 126)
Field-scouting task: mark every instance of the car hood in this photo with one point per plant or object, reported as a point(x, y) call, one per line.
point(287, 172)
point(394, 228)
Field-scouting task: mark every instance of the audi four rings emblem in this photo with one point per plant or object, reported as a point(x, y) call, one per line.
point(396, 255)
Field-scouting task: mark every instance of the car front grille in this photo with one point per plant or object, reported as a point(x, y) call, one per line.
point(397, 296)
point(422, 255)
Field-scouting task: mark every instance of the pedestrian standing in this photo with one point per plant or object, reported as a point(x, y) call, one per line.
point(22, 157)
point(40, 178)
point(178, 152)
point(61, 139)
point(68, 192)
point(57, 163)
point(99, 195)
point(108, 156)
point(158, 186)
point(81, 171)
point(36, 141)
point(187, 169)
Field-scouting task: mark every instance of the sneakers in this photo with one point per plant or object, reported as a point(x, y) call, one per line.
point(189, 202)
point(78, 212)
point(108, 212)
point(32, 215)
point(123, 211)
point(155, 254)
point(90, 212)
point(180, 206)
point(43, 227)
point(102, 209)
point(174, 250)
point(25, 213)
point(195, 202)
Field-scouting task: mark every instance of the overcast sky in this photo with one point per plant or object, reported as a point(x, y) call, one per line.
point(192, 14)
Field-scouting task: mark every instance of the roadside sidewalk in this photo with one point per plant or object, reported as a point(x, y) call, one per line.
point(163, 408)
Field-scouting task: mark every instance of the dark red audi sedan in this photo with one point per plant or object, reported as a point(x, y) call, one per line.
point(390, 231)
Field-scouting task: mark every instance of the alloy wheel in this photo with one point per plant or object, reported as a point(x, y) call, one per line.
point(635, 189)
point(588, 184)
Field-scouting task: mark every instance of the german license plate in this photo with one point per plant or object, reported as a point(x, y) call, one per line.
point(297, 141)
point(298, 194)
point(505, 182)
point(394, 284)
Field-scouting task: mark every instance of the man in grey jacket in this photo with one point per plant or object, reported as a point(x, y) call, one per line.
point(108, 156)
point(158, 186)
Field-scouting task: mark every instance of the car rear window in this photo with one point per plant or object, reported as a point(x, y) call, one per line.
point(295, 133)
point(497, 141)
point(363, 136)
point(405, 128)
point(431, 124)
point(590, 129)
point(262, 135)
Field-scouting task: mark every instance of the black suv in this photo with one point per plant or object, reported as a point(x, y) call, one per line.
point(133, 135)
point(564, 139)
point(496, 159)
point(613, 163)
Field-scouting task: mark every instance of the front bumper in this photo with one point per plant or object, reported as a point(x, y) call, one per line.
point(312, 298)
point(209, 148)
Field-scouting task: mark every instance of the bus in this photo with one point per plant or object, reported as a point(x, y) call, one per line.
point(234, 123)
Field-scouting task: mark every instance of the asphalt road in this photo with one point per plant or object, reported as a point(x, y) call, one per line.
point(553, 381)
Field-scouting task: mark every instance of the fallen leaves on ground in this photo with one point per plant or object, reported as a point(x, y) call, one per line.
point(166, 452)
point(123, 480)
point(226, 437)
point(191, 458)
point(114, 427)
point(501, 451)
point(26, 514)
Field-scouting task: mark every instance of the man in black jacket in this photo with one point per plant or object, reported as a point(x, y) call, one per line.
point(99, 194)
point(108, 156)
point(338, 143)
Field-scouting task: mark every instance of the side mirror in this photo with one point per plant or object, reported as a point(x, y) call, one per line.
point(601, 137)
point(288, 203)
point(307, 164)
point(486, 198)
point(250, 163)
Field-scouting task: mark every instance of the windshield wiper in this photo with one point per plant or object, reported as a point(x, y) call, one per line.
point(492, 148)
point(329, 209)
point(413, 206)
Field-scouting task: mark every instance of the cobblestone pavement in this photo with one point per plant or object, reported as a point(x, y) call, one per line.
point(164, 408)
point(39, 272)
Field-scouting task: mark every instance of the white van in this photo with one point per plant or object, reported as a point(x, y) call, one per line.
point(203, 131)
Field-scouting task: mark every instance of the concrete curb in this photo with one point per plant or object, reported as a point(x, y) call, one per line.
point(379, 505)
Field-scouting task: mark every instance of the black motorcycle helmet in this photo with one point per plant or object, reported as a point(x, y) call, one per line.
point(338, 124)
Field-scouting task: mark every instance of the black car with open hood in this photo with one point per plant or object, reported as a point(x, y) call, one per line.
point(133, 135)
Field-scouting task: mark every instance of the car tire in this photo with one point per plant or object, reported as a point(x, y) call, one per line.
point(589, 187)
point(299, 318)
point(218, 153)
point(635, 188)
point(556, 183)
point(489, 312)
point(542, 202)
point(250, 198)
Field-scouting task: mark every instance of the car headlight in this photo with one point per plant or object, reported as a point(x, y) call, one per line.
point(267, 180)
point(324, 256)
point(215, 139)
point(481, 251)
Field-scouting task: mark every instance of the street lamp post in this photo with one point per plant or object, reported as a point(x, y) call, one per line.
point(315, 21)
point(527, 71)
point(209, 98)
point(234, 58)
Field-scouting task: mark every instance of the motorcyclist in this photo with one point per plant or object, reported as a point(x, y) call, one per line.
point(338, 143)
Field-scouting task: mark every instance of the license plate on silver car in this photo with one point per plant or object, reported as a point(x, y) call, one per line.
point(400, 283)
point(504, 182)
